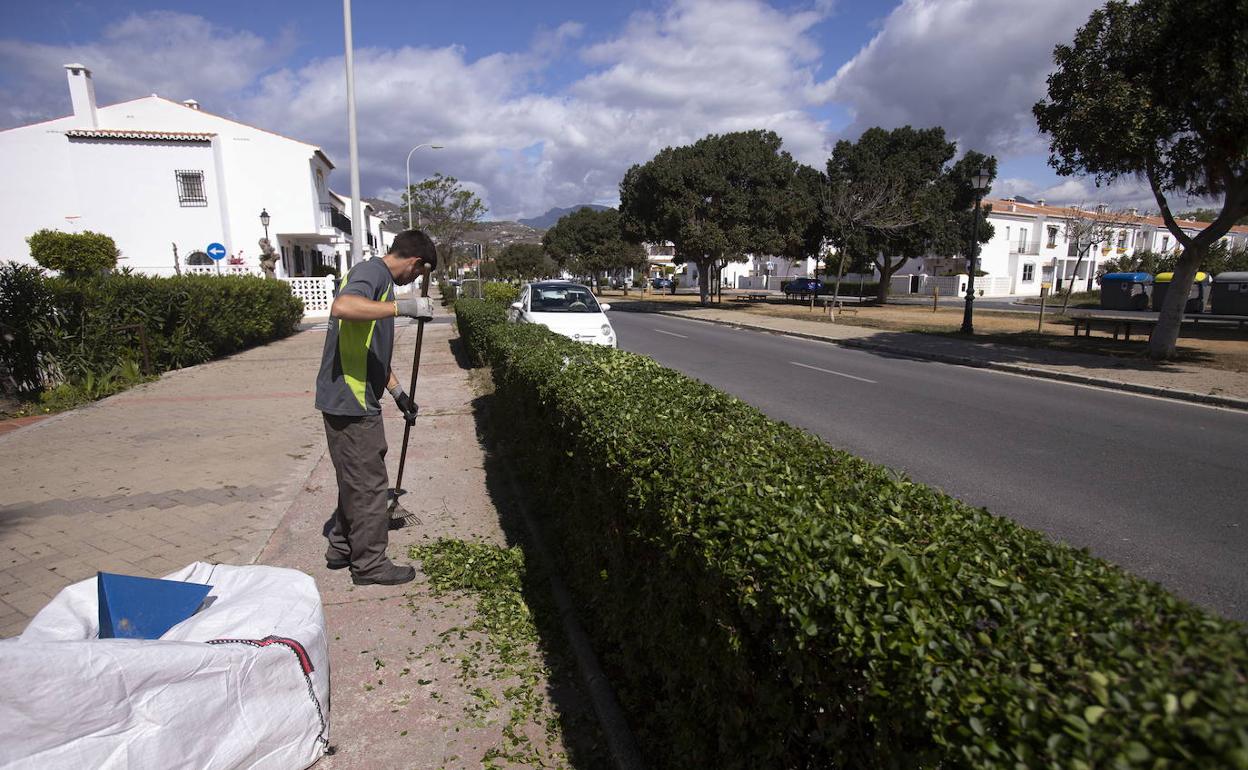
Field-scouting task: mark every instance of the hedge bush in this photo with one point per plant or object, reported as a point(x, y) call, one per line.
point(187, 320)
point(763, 600)
point(74, 254)
point(501, 293)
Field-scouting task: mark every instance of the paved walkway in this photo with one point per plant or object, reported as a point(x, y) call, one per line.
point(1183, 381)
point(226, 462)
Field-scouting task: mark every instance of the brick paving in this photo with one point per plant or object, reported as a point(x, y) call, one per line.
point(200, 465)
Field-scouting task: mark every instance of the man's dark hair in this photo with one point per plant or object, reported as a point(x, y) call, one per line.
point(414, 243)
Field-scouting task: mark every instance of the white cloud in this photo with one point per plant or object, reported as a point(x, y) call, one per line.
point(155, 52)
point(975, 67)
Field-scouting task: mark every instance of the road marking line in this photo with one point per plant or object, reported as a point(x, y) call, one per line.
point(672, 334)
point(838, 374)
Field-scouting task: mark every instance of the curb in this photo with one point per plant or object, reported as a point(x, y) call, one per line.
point(1028, 371)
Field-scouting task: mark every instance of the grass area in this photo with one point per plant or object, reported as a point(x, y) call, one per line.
point(1083, 299)
point(1214, 347)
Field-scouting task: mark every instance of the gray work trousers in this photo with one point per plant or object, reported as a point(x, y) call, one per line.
point(360, 529)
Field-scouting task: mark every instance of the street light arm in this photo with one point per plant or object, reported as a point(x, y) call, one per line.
point(408, 190)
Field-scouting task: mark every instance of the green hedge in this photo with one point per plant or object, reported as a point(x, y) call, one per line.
point(187, 320)
point(501, 293)
point(763, 600)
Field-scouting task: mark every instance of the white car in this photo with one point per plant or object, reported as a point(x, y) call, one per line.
point(565, 308)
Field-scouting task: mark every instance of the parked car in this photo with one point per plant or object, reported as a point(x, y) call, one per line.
point(565, 308)
point(661, 283)
point(804, 287)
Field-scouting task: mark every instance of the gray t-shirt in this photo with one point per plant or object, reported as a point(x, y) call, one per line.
point(355, 365)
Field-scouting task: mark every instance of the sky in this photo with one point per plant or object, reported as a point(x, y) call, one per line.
point(548, 103)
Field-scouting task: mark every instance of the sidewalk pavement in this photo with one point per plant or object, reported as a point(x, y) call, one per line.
point(1179, 381)
point(226, 462)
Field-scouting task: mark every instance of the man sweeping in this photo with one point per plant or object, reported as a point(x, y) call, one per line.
point(355, 369)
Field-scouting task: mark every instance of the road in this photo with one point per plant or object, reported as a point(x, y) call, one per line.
point(1154, 485)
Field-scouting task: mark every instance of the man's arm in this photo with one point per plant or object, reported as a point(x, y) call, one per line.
point(353, 307)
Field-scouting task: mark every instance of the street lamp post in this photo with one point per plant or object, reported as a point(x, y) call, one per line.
point(979, 182)
point(264, 220)
point(409, 178)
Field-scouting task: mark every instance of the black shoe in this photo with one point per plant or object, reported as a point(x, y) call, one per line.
point(390, 575)
point(337, 563)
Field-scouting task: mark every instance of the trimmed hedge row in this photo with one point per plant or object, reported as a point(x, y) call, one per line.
point(763, 600)
point(186, 320)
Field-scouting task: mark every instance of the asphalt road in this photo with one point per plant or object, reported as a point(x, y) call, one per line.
point(1159, 487)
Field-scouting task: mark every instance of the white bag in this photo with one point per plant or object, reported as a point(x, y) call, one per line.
point(242, 683)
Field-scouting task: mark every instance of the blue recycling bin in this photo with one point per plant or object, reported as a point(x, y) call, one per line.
point(1126, 291)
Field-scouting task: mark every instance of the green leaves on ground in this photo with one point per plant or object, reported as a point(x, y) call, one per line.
point(510, 653)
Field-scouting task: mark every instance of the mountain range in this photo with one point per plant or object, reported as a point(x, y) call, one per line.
point(548, 220)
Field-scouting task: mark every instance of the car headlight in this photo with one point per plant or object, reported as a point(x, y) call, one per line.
point(606, 330)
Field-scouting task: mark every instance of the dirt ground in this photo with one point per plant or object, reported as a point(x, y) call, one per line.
point(1216, 347)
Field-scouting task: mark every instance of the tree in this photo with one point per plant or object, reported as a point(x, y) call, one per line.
point(74, 254)
point(1086, 229)
point(588, 242)
point(524, 260)
point(446, 211)
point(893, 197)
point(1158, 89)
point(716, 200)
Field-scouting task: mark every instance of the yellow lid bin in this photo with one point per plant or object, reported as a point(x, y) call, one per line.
point(1197, 298)
point(1168, 277)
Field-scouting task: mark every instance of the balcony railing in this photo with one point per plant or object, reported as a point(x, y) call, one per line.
point(332, 217)
point(1025, 247)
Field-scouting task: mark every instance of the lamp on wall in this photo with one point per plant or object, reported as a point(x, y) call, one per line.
point(264, 220)
point(979, 183)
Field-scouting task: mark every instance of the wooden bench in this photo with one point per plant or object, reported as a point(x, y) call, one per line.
point(1116, 325)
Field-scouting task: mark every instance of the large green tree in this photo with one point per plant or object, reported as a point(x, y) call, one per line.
point(1158, 89)
point(893, 195)
point(524, 260)
point(445, 210)
point(591, 243)
point(717, 200)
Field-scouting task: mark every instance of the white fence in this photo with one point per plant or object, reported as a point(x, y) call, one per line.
point(950, 285)
point(220, 270)
point(317, 293)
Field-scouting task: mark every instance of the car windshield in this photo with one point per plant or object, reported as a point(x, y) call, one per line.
point(563, 299)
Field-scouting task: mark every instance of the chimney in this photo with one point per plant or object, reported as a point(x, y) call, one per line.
point(1134, 211)
point(1039, 201)
point(194, 105)
point(82, 95)
point(1101, 208)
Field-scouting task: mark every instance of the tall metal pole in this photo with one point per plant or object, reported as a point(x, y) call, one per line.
point(967, 327)
point(357, 205)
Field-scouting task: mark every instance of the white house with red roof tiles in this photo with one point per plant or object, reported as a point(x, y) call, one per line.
point(153, 173)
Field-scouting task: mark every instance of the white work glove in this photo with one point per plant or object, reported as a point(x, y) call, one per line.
point(420, 308)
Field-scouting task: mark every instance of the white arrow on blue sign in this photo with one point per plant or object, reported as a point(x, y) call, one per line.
point(215, 250)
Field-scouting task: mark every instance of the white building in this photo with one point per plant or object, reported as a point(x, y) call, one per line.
point(1032, 244)
point(154, 174)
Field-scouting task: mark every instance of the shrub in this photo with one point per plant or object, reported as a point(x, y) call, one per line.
point(501, 293)
point(92, 324)
point(27, 314)
point(74, 254)
point(763, 600)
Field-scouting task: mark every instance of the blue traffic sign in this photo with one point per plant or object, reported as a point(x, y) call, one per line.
point(216, 250)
